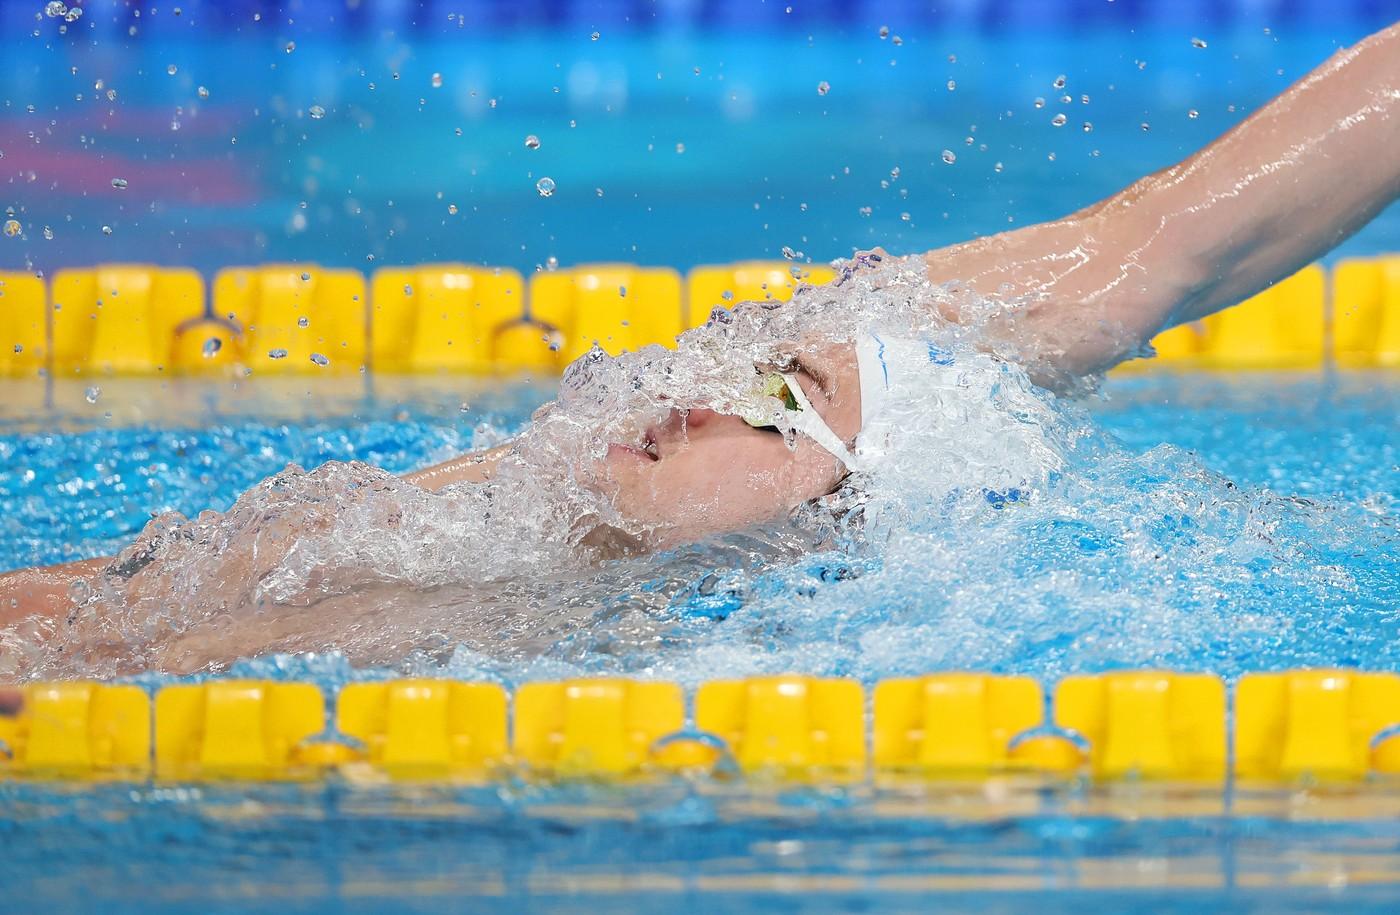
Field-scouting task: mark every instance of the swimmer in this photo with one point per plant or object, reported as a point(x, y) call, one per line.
point(1083, 293)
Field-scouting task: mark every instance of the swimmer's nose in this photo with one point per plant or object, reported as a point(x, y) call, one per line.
point(679, 425)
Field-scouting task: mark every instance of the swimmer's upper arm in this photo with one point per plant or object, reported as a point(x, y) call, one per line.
point(477, 467)
point(1301, 174)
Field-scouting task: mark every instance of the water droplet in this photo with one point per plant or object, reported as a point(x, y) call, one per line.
point(106, 230)
point(823, 87)
point(594, 37)
point(1198, 42)
point(437, 80)
point(303, 321)
point(119, 183)
point(316, 112)
point(203, 92)
point(211, 347)
point(948, 157)
point(55, 8)
point(12, 227)
point(92, 394)
point(277, 353)
point(545, 186)
point(320, 360)
point(290, 47)
point(1193, 114)
point(1039, 102)
point(172, 70)
point(532, 142)
point(452, 209)
point(1058, 120)
point(1088, 127)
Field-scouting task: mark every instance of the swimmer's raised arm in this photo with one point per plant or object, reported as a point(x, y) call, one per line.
point(1301, 174)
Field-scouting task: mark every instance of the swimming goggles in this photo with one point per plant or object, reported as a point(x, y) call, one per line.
point(801, 415)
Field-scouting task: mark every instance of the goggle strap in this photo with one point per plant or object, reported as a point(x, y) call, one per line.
point(810, 423)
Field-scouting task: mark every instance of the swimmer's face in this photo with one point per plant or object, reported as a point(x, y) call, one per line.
point(700, 472)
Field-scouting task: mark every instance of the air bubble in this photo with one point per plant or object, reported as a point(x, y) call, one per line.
point(1198, 42)
point(437, 81)
point(202, 92)
point(320, 360)
point(55, 8)
point(594, 37)
point(823, 87)
point(290, 47)
point(949, 157)
point(1088, 127)
point(48, 233)
point(1193, 114)
point(952, 84)
point(545, 186)
point(452, 209)
point(1059, 82)
point(211, 347)
point(532, 142)
point(303, 321)
point(278, 353)
point(884, 32)
point(106, 230)
point(1059, 120)
point(92, 394)
point(316, 112)
point(12, 228)
point(119, 183)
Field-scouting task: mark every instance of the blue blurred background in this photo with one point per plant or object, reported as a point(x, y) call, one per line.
point(675, 132)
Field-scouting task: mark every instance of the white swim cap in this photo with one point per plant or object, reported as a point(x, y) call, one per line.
point(892, 370)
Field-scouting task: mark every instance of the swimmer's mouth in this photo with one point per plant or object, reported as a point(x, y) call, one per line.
point(646, 451)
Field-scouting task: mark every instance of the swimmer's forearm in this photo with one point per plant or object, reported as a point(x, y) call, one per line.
point(477, 467)
point(43, 591)
point(1300, 175)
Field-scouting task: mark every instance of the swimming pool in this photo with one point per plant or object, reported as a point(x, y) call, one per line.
point(1226, 523)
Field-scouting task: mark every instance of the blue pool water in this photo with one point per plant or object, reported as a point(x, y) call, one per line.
point(1220, 523)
